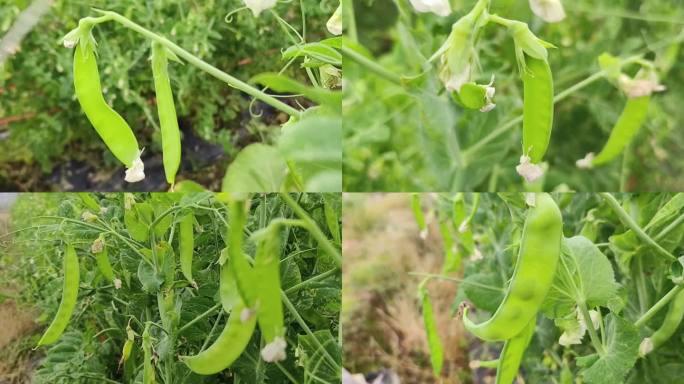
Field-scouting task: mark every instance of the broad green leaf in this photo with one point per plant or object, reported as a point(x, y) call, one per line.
point(622, 351)
point(257, 168)
point(584, 275)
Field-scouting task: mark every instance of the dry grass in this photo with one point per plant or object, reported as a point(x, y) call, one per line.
point(381, 316)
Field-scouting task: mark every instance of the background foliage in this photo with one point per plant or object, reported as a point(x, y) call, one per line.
point(53, 146)
point(420, 140)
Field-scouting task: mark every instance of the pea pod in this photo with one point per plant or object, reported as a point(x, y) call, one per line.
point(670, 324)
point(239, 266)
point(111, 127)
point(187, 245)
point(540, 249)
point(434, 343)
point(537, 108)
point(68, 302)
point(168, 121)
point(228, 290)
point(267, 274)
point(228, 346)
point(418, 214)
point(512, 353)
point(625, 129)
point(102, 258)
point(148, 368)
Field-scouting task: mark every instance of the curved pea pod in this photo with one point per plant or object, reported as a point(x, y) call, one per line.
point(512, 354)
point(168, 121)
point(111, 127)
point(228, 291)
point(270, 305)
point(228, 346)
point(537, 108)
point(625, 129)
point(68, 302)
point(239, 266)
point(540, 249)
point(670, 324)
point(149, 376)
point(187, 245)
point(434, 342)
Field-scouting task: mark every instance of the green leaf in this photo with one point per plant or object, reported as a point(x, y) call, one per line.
point(316, 361)
point(148, 278)
point(323, 53)
point(584, 275)
point(313, 144)
point(257, 168)
point(483, 298)
point(621, 353)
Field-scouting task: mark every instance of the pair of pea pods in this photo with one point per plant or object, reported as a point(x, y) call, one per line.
point(515, 320)
point(112, 128)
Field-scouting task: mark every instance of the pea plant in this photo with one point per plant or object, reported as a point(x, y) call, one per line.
point(182, 288)
point(532, 286)
point(449, 97)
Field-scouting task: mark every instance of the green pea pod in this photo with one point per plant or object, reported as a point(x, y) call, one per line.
point(187, 245)
point(625, 129)
point(103, 264)
point(111, 127)
point(168, 121)
point(434, 342)
point(418, 211)
point(68, 302)
point(535, 268)
point(670, 324)
point(267, 274)
point(148, 368)
point(228, 346)
point(512, 354)
point(331, 218)
point(452, 258)
point(239, 266)
point(537, 108)
point(228, 290)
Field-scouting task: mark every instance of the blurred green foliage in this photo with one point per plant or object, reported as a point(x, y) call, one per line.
point(36, 83)
point(419, 139)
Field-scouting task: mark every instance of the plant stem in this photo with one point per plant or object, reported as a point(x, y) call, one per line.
point(627, 220)
point(590, 327)
point(198, 318)
point(350, 20)
point(203, 65)
point(313, 229)
point(371, 65)
point(658, 306)
point(666, 231)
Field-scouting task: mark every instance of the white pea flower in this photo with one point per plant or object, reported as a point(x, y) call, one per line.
point(645, 347)
point(454, 81)
point(575, 335)
point(531, 199)
point(529, 171)
point(587, 162)
point(117, 283)
point(136, 171)
point(89, 217)
point(246, 315)
point(424, 233)
point(274, 351)
point(490, 91)
point(644, 84)
point(97, 246)
point(334, 24)
point(438, 7)
point(257, 6)
point(477, 255)
point(550, 11)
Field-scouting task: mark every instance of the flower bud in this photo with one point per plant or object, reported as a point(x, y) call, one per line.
point(438, 7)
point(257, 6)
point(334, 24)
point(550, 11)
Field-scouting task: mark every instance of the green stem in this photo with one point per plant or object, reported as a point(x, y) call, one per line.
point(627, 220)
point(370, 65)
point(658, 306)
point(314, 279)
point(666, 231)
point(313, 229)
point(349, 20)
point(590, 327)
point(198, 318)
point(201, 64)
